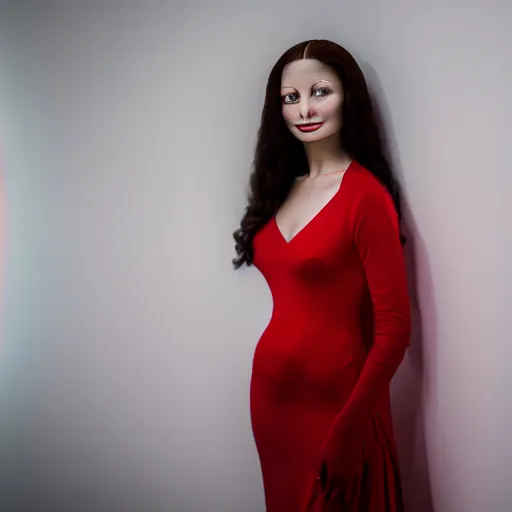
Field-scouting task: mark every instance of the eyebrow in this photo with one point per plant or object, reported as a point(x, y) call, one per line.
point(317, 82)
point(320, 81)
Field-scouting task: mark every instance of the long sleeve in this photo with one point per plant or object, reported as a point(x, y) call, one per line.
point(377, 241)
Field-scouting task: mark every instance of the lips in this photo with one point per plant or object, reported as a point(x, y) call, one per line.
point(311, 127)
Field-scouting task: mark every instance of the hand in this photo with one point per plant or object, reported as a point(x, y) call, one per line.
point(341, 463)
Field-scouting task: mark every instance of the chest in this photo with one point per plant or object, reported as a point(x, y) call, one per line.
point(321, 251)
point(305, 202)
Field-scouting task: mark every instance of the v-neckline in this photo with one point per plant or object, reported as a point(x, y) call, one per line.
point(317, 214)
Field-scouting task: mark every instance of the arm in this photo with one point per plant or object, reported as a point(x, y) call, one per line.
point(376, 239)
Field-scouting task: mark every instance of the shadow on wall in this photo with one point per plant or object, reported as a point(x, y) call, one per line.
point(408, 390)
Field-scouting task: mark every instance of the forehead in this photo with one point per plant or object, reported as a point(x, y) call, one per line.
point(304, 72)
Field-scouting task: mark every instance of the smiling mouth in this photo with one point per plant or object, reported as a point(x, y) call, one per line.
point(310, 127)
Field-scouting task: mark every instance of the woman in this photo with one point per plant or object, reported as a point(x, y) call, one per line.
point(322, 226)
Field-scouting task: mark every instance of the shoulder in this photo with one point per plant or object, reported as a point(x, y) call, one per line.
point(372, 212)
point(367, 191)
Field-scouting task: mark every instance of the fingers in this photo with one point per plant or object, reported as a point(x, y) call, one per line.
point(333, 499)
point(330, 490)
point(352, 490)
point(334, 489)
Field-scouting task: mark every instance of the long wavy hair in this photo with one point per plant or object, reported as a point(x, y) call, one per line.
point(280, 157)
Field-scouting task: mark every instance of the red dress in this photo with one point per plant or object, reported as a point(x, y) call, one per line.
point(339, 329)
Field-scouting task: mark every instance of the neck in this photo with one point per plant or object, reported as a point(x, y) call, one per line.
point(325, 156)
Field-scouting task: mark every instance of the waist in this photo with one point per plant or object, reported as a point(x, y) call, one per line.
point(310, 349)
point(344, 329)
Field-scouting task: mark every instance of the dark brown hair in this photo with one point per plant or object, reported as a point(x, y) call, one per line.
point(280, 157)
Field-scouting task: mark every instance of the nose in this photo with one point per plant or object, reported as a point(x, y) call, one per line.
point(306, 111)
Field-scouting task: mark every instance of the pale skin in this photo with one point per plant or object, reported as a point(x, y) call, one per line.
point(312, 93)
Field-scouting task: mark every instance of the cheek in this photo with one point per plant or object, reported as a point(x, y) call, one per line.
point(289, 115)
point(330, 110)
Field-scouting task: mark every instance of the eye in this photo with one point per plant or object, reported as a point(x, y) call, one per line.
point(290, 97)
point(323, 91)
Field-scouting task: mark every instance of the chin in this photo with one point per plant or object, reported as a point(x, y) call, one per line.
point(312, 136)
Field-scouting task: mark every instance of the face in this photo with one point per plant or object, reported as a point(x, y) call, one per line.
point(312, 100)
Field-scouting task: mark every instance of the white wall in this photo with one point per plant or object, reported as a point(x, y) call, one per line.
point(126, 137)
